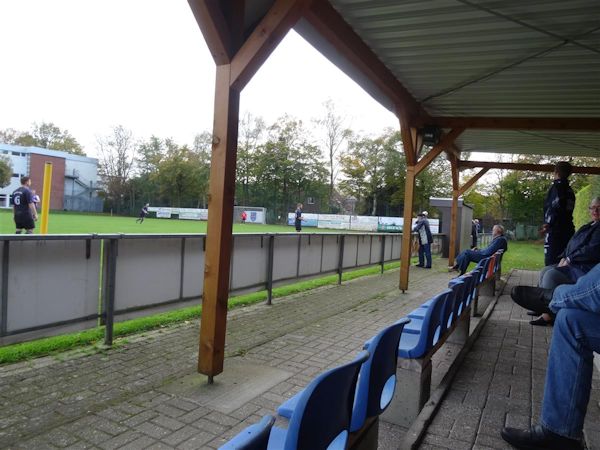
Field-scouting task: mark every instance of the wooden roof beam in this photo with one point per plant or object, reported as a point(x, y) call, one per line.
point(331, 25)
point(523, 166)
point(518, 123)
point(271, 30)
point(465, 187)
point(445, 142)
point(213, 26)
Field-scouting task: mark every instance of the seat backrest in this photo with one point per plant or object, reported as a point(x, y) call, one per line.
point(434, 324)
point(498, 263)
point(483, 265)
point(469, 280)
point(254, 437)
point(377, 378)
point(458, 298)
point(322, 416)
point(490, 266)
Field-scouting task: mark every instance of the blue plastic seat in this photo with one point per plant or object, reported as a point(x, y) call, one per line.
point(254, 437)
point(376, 381)
point(431, 327)
point(458, 289)
point(322, 413)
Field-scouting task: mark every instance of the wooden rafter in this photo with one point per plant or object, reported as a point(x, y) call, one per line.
point(445, 142)
point(282, 16)
point(524, 166)
point(214, 29)
point(518, 123)
point(330, 25)
point(465, 187)
point(409, 142)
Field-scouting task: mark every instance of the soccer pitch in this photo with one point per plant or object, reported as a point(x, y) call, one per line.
point(81, 223)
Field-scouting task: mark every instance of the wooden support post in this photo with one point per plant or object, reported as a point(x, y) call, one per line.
point(220, 222)
point(409, 189)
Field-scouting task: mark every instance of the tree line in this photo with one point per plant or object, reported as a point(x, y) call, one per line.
point(288, 161)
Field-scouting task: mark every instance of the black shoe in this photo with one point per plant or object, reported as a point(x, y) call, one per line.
point(419, 265)
point(428, 267)
point(540, 321)
point(533, 313)
point(537, 437)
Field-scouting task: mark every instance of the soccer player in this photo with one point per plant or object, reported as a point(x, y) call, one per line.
point(143, 213)
point(24, 210)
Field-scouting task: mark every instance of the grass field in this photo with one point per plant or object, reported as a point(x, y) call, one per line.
point(75, 223)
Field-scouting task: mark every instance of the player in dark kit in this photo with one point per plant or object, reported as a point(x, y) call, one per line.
point(24, 210)
point(143, 213)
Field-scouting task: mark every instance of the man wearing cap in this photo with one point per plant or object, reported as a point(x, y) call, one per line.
point(499, 242)
point(425, 240)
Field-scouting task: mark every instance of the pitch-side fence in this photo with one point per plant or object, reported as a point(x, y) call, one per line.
point(57, 283)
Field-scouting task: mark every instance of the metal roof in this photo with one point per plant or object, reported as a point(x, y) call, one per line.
point(486, 58)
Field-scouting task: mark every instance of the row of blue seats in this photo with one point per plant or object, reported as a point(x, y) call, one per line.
point(342, 400)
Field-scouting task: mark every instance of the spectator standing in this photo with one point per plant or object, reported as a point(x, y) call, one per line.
point(143, 213)
point(425, 240)
point(244, 216)
point(298, 217)
point(24, 210)
point(474, 232)
point(558, 214)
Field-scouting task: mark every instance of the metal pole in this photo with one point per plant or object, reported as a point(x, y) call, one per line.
point(111, 274)
point(4, 298)
point(341, 258)
point(270, 269)
point(46, 198)
point(382, 252)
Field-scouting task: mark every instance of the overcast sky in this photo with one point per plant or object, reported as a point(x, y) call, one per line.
point(88, 65)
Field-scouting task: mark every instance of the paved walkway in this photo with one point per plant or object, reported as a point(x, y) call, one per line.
point(145, 393)
point(501, 382)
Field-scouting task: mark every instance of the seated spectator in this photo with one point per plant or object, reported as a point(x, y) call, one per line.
point(570, 366)
point(499, 242)
point(582, 253)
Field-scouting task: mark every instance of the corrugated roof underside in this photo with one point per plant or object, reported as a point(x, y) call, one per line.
point(501, 58)
point(555, 143)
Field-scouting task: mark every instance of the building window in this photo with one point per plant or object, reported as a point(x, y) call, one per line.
point(16, 153)
point(15, 175)
point(5, 152)
point(310, 200)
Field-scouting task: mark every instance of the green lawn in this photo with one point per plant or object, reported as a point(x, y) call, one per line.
point(75, 223)
point(523, 255)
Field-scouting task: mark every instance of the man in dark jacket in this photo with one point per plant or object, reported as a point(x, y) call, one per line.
point(558, 214)
point(425, 240)
point(582, 253)
point(499, 242)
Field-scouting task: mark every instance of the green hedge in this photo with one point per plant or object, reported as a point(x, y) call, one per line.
point(581, 215)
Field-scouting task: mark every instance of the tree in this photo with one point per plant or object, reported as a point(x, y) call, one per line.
point(182, 177)
point(335, 134)
point(116, 160)
point(250, 137)
point(5, 171)
point(45, 135)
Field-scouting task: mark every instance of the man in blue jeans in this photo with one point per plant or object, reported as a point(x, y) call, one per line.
point(575, 338)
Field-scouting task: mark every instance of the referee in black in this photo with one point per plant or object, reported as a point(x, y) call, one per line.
point(24, 210)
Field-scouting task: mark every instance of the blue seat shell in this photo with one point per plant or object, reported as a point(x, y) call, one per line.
point(254, 437)
point(321, 418)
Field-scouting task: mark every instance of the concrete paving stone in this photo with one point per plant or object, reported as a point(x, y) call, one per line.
point(140, 443)
point(152, 430)
point(210, 426)
point(484, 441)
point(142, 417)
point(159, 446)
point(108, 426)
point(223, 419)
point(168, 422)
point(60, 438)
point(181, 435)
point(92, 435)
point(448, 443)
point(198, 441)
point(170, 411)
point(194, 416)
point(120, 440)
